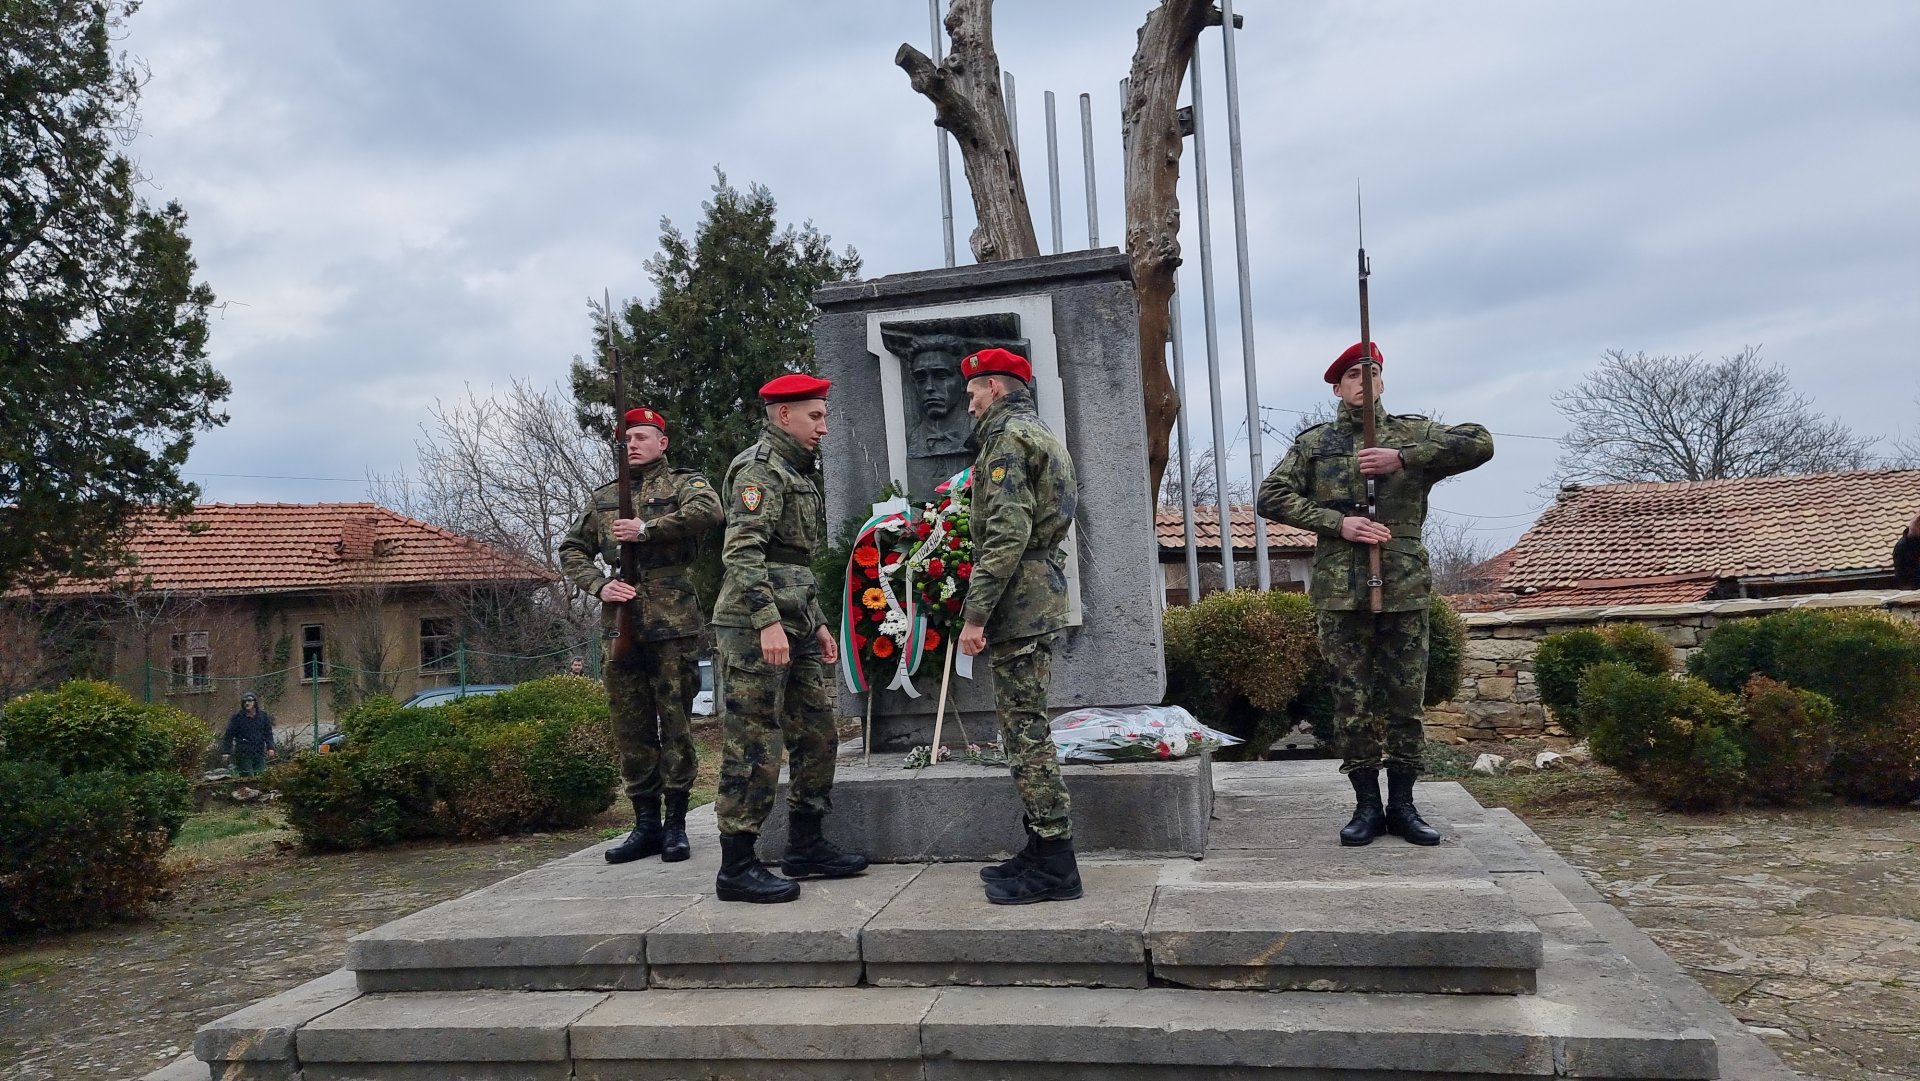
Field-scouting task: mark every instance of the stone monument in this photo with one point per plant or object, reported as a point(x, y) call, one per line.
point(892, 347)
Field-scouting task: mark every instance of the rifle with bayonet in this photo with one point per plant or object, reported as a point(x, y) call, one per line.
point(1367, 437)
point(628, 571)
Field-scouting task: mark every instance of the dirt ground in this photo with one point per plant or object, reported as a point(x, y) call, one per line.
point(1806, 922)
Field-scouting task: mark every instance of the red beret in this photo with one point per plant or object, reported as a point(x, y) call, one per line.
point(997, 362)
point(1355, 353)
point(643, 415)
point(795, 388)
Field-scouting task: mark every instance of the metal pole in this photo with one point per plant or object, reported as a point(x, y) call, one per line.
point(1086, 150)
point(1186, 444)
point(461, 652)
point(1013, 113)
point(1220, 447)
point(1255, 459)
point(313, 672)
point(1053, 175)
point(946, 176)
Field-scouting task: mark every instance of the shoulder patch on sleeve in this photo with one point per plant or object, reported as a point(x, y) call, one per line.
point(696, 481)
point(751, 496)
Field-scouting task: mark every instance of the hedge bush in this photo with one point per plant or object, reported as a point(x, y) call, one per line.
point(1249, 663)
point(535, 757)
point(1564, 657)
point(1789, 739)
point(86, 726)
point(83, 849)
point(1865, 662)
point(1677, 738)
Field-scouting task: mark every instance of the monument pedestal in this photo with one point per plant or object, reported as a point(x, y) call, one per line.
point(960, 811)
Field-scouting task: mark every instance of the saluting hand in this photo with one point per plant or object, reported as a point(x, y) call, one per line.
point(1379, 461)
point(1364, 530)
point(629, 530)
point(618, 592)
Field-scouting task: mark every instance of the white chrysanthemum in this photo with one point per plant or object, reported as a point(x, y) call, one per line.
point(894, 625)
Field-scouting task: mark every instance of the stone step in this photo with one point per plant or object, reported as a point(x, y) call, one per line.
point(1605, 1023)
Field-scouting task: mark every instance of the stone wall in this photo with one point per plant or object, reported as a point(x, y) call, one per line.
point(1498, 697)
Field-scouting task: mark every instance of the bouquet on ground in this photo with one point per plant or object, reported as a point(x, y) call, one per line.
point(1133, 734)
point(906, 586)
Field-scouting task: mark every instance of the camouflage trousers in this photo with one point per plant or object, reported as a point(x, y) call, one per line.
point(650, 696)
point(1022, 668)
point(1379, 664)
point(771, 708)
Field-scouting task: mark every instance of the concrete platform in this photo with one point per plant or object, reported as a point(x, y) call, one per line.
point(956, 811)
point(941, 985)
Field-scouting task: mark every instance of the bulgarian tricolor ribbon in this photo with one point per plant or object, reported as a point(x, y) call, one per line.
point(888, 517)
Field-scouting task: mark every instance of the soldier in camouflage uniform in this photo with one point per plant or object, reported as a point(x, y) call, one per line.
point(651, 682)
point(1379, 661)
point(776, 652)
point(1023, 503)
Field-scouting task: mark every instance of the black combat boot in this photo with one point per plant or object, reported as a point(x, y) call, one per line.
point(673, 830)
point(1020, 859)
point(810, 855)
point(1052, 876)
point(741, 877)
point(1403, 819)
point(644, 841)
point(1368, 820)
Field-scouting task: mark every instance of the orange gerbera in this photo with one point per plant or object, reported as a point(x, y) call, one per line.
point(883, 646)
point(933, 639)
point(867, 556)
point(874, 598)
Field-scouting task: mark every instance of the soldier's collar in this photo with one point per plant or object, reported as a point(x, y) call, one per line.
point(642, 471)
point(792, 450)
point(1013, 401)
point(1350, 417)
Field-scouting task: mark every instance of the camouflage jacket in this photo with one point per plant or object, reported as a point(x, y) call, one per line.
point(1319, 482)
point(1024, 497)
point(680, 509)
point(776, 522)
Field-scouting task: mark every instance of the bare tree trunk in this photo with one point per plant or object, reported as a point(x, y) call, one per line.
point(965, 91)
point(1153, 146)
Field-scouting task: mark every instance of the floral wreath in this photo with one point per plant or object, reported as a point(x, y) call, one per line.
point(906, 585)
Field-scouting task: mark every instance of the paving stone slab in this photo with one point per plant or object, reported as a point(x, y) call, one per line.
point(1497, 848)
point(811, 942)
point(478, 941)
point(571, 879)
point(787, 1025)
point(960, 812)
point(1291, 820)
point(1454, 937)
point(941, 930)
point(1534, 894)
point(435, 1029)
point(264, 1031)
point(184, 1068)
point(1378, 862)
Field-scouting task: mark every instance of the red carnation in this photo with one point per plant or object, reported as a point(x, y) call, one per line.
point(935, 568)
point(953, 604)
point(893, 558)
point(964, 570)
point(954, 541)
point(872, 573)
point(922, 528)
point(859, 643)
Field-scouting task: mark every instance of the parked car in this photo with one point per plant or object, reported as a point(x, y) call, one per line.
point(703, 702)
point(432, 696)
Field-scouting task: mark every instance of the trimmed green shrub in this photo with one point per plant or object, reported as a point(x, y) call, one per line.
point(1236, 659)
point(1679, 739)
point(83, 849)
point(1249, 663)
point(85, 726)
point(535, 757)
point(1865, 662)
point(1564, 657)
point(1789, 740)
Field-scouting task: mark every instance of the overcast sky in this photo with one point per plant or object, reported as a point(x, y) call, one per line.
point(397, 199)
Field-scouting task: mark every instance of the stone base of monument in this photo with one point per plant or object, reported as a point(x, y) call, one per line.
point(1277, 955)
point(960, 811)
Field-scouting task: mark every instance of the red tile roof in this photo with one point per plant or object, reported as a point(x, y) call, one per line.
point(1673, 542)
point(290, 547)
point(1171, 533)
